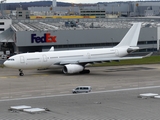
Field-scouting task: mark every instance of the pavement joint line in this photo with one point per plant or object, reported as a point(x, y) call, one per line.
point(13, 77)
point(45, 93)
point(3, 77)
point(26, 95)
point(65, 92)
point(117, 86)
point(62, 95)
point(134, 85)
point(149, 84)
point(100, 88)
point(18, 93)
point(5, 97)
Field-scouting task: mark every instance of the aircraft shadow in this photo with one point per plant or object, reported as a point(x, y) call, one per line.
point(59, 71)
point(129, 69)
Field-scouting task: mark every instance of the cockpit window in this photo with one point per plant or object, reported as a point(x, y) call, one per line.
point(10, 59)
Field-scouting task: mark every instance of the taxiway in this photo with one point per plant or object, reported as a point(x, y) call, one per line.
point(114, 93)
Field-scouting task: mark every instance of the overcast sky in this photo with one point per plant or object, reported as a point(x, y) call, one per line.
point(71, 1)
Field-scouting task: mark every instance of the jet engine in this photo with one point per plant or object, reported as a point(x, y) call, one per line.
point(72, 68)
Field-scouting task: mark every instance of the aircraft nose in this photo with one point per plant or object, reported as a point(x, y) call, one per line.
point(10, 63)
point(7, 64)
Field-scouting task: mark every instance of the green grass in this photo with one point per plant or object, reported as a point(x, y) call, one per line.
point(147, 60)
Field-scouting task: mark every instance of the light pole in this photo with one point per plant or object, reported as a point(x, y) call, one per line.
point(67, 44)
point(153, 42)
point(112, 9)
point(2, 1)
point(112, 42)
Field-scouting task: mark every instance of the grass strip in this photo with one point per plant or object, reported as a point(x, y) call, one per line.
point(147, 60)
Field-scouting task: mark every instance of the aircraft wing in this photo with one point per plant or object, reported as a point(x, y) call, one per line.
point(92, 61)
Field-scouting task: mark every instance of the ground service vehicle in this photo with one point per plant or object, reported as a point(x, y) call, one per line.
point(82, 89)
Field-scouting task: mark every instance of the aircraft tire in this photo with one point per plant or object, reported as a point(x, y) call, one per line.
point(21, 74)
point(86, 71)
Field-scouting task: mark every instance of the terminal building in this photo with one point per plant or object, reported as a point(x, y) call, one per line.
point(125, 9)
point(78, 32)
point(41, 35)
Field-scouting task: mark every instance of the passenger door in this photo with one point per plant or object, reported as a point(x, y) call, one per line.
point(116, 52)
point(44, 58)
point(22, 60)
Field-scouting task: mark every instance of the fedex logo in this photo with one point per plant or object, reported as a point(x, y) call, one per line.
point(47, 38)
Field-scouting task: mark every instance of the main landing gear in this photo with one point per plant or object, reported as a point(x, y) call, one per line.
point(85, 71)
point(21, 72)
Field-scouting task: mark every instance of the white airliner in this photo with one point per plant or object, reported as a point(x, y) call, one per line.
point(75, 61)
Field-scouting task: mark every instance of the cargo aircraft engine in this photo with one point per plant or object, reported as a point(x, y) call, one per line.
point(74, 68)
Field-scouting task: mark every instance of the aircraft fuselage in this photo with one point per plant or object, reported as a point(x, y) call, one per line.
point(41, 60)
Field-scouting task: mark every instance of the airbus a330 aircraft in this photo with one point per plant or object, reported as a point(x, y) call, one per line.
point(75, 61)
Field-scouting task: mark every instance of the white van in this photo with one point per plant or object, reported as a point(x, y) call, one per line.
point(82, 89)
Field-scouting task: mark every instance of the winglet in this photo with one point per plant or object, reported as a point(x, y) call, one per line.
point(148, 55)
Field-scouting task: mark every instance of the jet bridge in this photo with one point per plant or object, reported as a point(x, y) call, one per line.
point(7, 36)
point(7, 39)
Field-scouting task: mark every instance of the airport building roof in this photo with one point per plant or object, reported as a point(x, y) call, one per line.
point(49, 26)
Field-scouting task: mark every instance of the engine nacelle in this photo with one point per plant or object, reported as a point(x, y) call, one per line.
point(72, 68)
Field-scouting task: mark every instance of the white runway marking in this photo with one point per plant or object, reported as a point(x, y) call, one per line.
point(61, 95)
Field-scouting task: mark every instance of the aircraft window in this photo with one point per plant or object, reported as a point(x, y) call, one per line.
point(53, 57)
point(102, 54)
point(33, 59)
point(10, 59)
point(71, 56)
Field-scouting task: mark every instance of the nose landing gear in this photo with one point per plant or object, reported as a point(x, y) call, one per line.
point(21, 72)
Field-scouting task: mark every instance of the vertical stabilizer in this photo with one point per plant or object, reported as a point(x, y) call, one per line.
point(131, 38)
